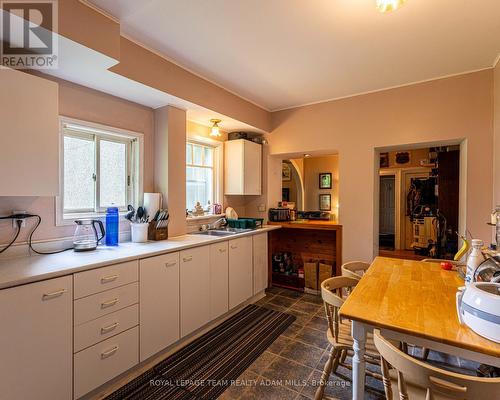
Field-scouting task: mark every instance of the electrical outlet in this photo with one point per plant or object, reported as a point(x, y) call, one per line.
point(261, 208)
point(14, 221)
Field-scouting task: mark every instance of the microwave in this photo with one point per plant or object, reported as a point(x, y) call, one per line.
point(279, 214)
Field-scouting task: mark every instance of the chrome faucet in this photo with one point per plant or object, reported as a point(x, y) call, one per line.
point(218, 224)
point(221, 222)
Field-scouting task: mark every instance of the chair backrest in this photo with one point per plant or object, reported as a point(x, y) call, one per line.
point(332, 290)
point(354, 269)
point(434, 382)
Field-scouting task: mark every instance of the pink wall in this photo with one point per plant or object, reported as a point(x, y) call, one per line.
point(496, 199)
point(451, 109)
point(170, 164)
point(89, 105)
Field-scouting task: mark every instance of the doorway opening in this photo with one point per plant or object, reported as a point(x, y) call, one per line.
point(419, 202)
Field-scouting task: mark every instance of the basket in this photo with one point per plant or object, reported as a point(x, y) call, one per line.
point(245, 223)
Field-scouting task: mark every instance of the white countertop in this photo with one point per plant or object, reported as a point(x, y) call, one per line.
point(27, 269)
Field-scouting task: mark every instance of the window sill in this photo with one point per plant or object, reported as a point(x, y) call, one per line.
point(69, 219)
point(204, 217)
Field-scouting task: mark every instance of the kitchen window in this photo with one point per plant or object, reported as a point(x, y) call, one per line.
point(202, 174)
point(100, 168)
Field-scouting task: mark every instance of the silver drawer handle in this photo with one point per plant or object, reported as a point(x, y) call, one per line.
point(234, 246)
point(110, 352)
point(222, 250)
point(109, 303)
point(110, 278)
point(171, 264)
point(109, 328)
point(47, 296)
point(186, 259)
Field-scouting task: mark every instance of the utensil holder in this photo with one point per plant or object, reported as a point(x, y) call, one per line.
point(157, 233)
point(139, 232)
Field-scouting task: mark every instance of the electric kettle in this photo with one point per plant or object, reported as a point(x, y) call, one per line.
point(86, 237)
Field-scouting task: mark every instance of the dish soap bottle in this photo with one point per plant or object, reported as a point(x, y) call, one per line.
point(475, 258)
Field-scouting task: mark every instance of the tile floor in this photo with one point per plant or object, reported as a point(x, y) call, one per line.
point(291, 367)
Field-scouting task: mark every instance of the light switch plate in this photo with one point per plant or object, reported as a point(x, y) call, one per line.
point(261, 208)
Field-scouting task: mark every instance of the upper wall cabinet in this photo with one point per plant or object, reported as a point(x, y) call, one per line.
point(29, 152)
point(243, 168)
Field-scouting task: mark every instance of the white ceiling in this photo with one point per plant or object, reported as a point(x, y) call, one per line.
point(284, 53)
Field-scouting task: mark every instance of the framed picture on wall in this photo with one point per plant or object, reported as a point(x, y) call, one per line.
point(286, 172)
point(325, 202)
point(325, 180)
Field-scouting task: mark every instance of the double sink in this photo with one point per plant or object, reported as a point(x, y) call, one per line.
point(223, 232)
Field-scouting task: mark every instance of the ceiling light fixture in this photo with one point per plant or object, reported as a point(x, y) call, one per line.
point(215, 128)
point(389, 5)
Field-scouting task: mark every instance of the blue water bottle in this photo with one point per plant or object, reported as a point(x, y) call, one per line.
point(112, 226)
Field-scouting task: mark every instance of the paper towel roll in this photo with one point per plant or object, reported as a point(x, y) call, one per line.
point(152, 203)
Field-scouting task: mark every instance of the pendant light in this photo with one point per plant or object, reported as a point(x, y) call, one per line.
point(389, 5)
point(215, 128)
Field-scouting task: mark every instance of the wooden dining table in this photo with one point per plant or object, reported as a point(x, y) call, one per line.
point(412, 302)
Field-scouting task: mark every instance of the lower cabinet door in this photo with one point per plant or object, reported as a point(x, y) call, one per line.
point(219, 279)
point(102, 362)
point(36, 343)
point(260, 263)
point(240, 271)
point(159, 303)
point(195, 288)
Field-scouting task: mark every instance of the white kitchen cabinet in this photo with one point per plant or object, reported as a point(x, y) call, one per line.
point(260, 262)
point(242, 167)
point(159, 303)
point(194, 288)
point(219, 279)
point(102, 362)
point(36, 346)
point(29, 109)
point(240, 271)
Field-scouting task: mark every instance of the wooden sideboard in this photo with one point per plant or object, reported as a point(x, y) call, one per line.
point(306, 241)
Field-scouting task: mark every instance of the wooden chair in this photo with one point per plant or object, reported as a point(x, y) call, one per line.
point(354, 269)
point(407, 378)
point(339, 331)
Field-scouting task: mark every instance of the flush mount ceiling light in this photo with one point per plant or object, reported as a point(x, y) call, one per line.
point(215, 128)
point(389, 5)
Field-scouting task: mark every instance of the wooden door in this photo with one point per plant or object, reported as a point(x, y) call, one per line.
point(448, 192)
point(195, 288)
point(36, 344)
point(260, 263)
point(159, 303)
point(240, 271)
point(387, 204)
point(219, 279)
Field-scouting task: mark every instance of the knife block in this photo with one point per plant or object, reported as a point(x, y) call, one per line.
point(157, 234)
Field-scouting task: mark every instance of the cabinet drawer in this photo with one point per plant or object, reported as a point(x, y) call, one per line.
point(103, 361)
point(96, 331)
point(100, 279)
point(104, 303)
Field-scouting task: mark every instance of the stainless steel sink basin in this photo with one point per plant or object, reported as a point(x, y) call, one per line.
point(223, 232)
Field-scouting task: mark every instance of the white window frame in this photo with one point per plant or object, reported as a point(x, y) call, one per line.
point(218, 164)
point(99, 132)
